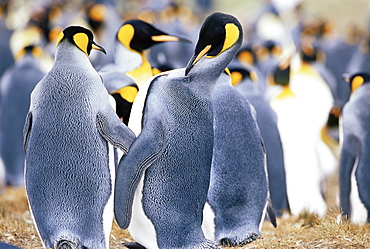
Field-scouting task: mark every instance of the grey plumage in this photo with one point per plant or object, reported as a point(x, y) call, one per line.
point(67, 134)
point(267, 124)
point(17, 84)
point(355, 157)
point(171, 158)
point(238, 166)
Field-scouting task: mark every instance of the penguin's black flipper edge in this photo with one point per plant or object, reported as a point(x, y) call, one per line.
point(114, 131)
point(271, 214)
point(143, 152)
point(133, 245)
point(26, 130)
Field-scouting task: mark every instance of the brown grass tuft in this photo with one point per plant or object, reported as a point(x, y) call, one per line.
point(305, 231)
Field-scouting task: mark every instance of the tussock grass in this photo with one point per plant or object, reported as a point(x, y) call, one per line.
point(305, 231)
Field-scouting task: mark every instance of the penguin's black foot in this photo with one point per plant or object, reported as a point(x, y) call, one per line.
point(133, 245)
point(209, 244)
point(238, 241)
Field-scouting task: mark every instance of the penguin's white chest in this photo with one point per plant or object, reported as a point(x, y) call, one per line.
point(141, 228)
point(358, 209)
point(108, 213)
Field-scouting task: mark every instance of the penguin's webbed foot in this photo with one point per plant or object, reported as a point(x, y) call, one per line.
point(237, 241)
point(133, 245)
point(209, 244)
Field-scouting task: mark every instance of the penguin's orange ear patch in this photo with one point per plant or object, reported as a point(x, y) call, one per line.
point(60, 37)
point(356, 83)
point(82, 41)
point(126, 34)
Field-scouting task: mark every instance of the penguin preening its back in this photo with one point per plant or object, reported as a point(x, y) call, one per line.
point(159, 184)
point(69, 171)
point(16, 86)
point(130, 65)
point(354, 173)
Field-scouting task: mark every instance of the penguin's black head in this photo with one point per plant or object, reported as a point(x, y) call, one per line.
point(219, 32)
point(138, 35)
point(357, 80)
point(81, 38)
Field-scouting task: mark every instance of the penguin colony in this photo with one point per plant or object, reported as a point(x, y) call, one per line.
point(189, 138)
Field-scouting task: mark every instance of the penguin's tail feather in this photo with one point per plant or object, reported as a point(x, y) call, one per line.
point(271, 213)
point(66, 244)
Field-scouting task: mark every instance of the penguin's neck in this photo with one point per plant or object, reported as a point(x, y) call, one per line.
point(69, 54)
point(134, 64)
point(307, 68)
point(286, 93)
point(141, 73)
point(127, 59)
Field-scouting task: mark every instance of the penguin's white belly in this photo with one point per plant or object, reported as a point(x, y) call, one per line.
point(303, 172)
point(108, 213)
point(137, 108)
point(358, 210)
point(141, 228)
point(208, 224)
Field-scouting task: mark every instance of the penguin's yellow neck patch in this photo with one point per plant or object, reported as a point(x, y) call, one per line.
point(125, 35)
point(246, 57)
point(286, 93)
point(36, 52)
point(142, 73)
point(128, 93)
point(236, 77)
point(81, 40)
point(356, 83)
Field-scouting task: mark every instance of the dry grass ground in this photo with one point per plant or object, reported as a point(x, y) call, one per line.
point(306, 231)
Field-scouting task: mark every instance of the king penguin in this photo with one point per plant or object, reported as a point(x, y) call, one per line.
point(267, 124)
point(354, 172)
point(301, 160)
point(160, 187)
point(68, 137)
point(16, 86)
point(238, 165)
point(131, 67)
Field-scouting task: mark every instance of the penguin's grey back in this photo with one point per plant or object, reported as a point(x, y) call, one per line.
point(16, 87)
point(66, 153)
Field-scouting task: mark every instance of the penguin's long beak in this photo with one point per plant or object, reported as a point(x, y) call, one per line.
point(98, 47)
point(166, 38)
point(196, 58)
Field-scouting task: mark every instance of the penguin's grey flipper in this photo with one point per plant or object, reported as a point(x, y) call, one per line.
point(347, 162)
point(115, 132)
point(133, 245)
point(271, 213)
point(143, 152)
point(26, 130)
